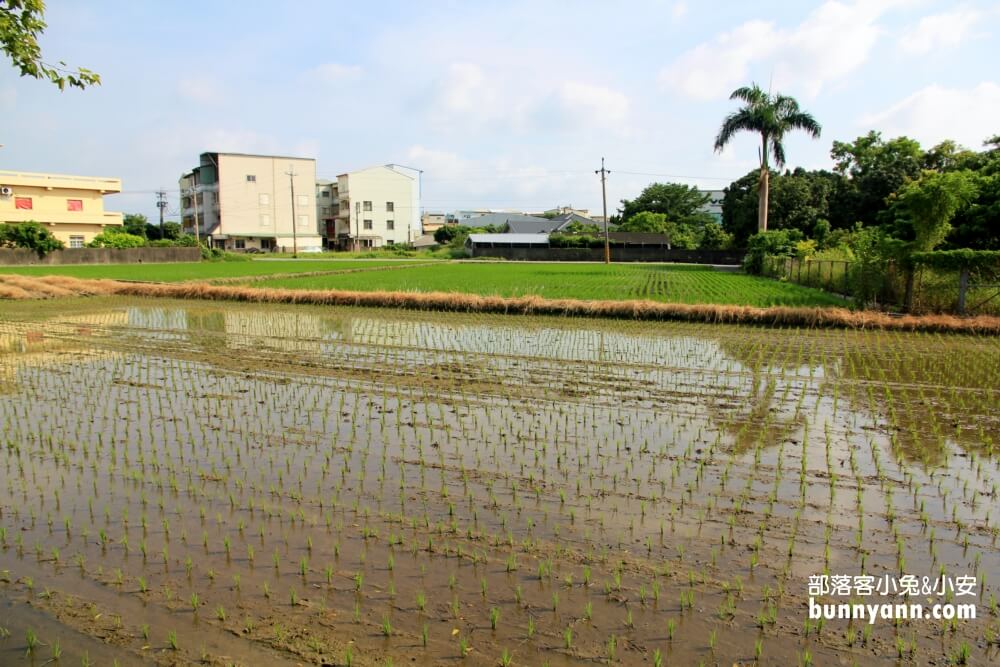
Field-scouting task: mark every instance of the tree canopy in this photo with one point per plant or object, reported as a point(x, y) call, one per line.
point(678, 202)
point(21, 22)
point(930, 202)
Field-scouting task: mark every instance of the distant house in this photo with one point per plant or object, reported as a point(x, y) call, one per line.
point(431, 222)
point(72, 207)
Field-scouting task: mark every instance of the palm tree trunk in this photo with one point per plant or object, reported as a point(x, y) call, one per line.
point(763, 185)
point(762, 200)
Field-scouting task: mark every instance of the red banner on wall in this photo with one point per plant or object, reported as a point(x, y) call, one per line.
point(23, 203)
point(74, 204)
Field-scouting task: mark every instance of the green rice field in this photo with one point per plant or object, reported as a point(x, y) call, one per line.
point(677, 283)
point(180, 271)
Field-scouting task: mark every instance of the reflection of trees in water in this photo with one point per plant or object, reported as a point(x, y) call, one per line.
point(927, 399)
point(920, 387)
point(745, 414)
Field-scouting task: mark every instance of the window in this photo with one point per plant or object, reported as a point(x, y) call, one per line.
point(303, 222)
point(366, 206)
point(326, 194)
point(303, 200)
point(240, 244)
point(326, 210)
point(390, 207)
point(264, 199)
point(265, 220)
point(390, 224)
point(251, 178)
point(23, 203)
point(200, 198)
point(74, 204)
point(368, 224)
point(76, 242)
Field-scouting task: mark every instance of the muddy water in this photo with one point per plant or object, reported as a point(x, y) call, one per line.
point(261, 484)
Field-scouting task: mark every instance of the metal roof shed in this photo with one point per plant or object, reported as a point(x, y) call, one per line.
point(507, 240)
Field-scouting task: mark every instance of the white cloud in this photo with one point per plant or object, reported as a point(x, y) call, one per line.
point(202, 90)
point(465, 89)
point(833, 41)
point(591, 105)
point(935, 113)
point(939, 31)
point(472, 97)
point(336, 72)
point(500, 182)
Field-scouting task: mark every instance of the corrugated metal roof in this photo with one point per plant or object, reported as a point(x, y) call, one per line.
point(539, 239)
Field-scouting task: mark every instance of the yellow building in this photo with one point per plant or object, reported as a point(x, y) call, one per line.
point(72, 207)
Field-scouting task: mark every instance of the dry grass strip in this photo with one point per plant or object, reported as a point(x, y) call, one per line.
point(21, 287)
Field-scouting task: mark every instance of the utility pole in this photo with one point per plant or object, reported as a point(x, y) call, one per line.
point(604, 198)
point(194, 199)
point(161, 203)
point(295, 236)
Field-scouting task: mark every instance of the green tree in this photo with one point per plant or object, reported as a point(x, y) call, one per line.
point(446, 233)
point(798, 200)
point(679, 235)
point(21, 22)
point(930, 202)
point(30, 235)
point(714, 237)
point(135, 224)
point(770, 116)
point(875, 168)
point(116, 237)
point(678, 202)
point(645, 221)
point(775, 242)
point(171, 230)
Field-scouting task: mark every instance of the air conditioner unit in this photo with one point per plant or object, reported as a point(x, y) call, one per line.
point(6, 191)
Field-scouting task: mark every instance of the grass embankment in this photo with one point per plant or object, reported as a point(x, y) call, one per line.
point(15, 287)
point(177, 272)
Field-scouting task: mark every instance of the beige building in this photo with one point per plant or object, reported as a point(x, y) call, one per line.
point(246, 202)
point(378, 206)
point(72, 207)
point(431, 222)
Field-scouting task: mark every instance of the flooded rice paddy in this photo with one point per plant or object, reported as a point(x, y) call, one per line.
point(231, 484)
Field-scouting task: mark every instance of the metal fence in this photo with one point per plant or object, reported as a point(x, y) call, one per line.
point(887, 286)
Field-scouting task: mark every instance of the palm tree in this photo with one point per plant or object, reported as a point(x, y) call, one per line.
point(770, 116)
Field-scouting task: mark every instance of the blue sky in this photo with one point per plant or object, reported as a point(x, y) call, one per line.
point(502, 104)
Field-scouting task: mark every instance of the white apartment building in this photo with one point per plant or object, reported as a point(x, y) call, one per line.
point(244, 202)
point(378, 206)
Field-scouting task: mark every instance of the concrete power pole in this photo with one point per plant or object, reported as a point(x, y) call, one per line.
point(604, 198)
point(295, 236)
point(194, 200)
point(161, 203)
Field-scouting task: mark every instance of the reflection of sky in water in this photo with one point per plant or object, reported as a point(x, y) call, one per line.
point(310, 331)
